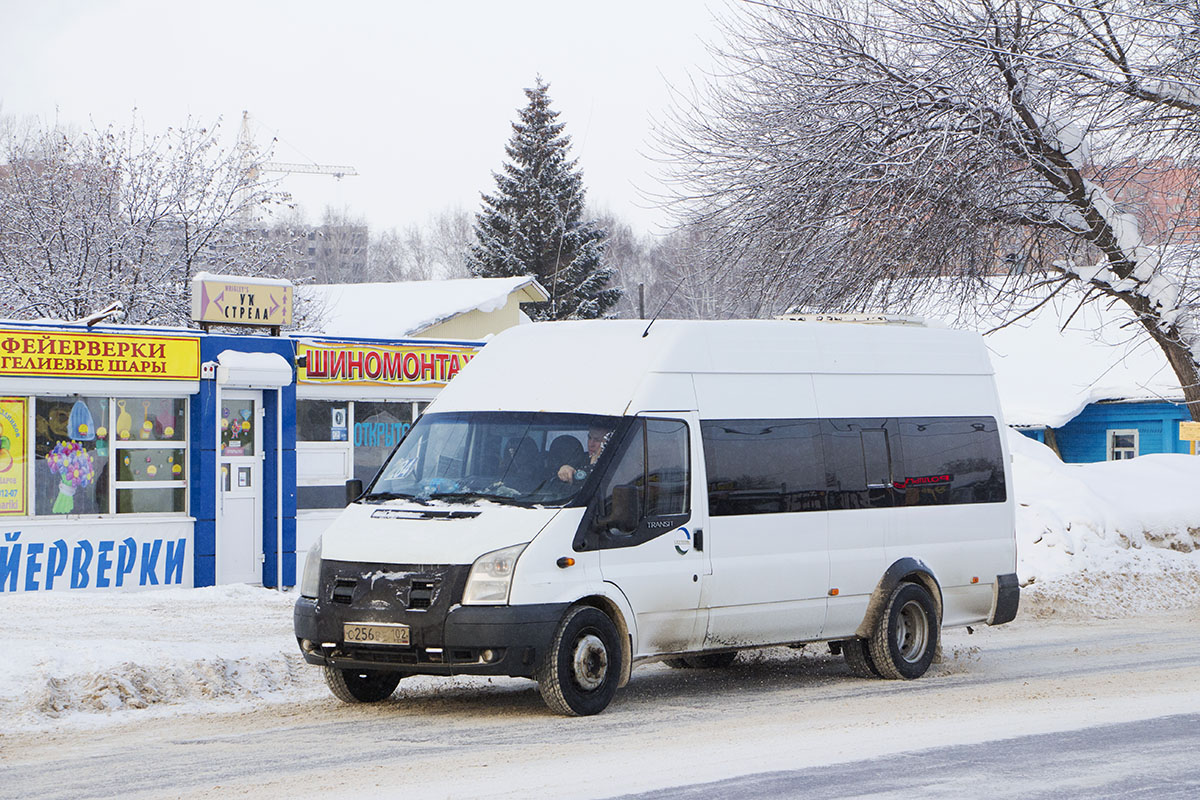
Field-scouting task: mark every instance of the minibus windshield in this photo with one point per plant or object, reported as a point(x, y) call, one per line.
point(520, 458)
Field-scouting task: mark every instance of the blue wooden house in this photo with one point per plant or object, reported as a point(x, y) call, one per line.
point(1095, 390)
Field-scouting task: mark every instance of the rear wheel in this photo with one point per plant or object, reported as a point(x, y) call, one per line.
point(858, 658)
point(578, 675)
point(906, 638)
point(361, 685)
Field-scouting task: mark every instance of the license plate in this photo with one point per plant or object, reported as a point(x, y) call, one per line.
point(362, 633)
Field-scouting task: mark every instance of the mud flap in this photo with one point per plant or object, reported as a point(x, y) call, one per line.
point(1006, 597)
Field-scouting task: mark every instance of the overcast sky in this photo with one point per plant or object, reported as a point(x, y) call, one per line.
point(417, 96)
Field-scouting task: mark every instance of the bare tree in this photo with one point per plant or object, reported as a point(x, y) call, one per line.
point(688, 283)
point(852, 151)
point(452, 232)
point(433, 251)
point(101, 216)
point(672, 274)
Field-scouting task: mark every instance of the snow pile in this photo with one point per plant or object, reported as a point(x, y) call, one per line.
point(98, 651)
point(1106, 539)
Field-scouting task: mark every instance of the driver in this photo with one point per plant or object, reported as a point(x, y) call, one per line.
point(598, 436)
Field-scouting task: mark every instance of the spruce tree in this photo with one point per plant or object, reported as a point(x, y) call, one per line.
point(534, 225)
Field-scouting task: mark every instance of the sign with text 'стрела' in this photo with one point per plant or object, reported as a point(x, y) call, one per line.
point(234, 300)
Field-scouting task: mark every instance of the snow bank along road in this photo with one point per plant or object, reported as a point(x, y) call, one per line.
point(1064, 680)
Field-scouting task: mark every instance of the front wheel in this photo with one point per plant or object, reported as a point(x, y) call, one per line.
point(361, 685)
point(578, 675)
point(905, 639)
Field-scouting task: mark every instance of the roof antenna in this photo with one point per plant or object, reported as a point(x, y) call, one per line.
point(646, 332)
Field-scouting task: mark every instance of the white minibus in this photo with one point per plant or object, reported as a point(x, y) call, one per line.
point(585, 497)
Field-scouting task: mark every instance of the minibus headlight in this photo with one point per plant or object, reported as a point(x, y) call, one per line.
point(310, 582)
point(491, 577)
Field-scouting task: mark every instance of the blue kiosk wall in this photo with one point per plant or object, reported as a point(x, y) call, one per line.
point(204, 426)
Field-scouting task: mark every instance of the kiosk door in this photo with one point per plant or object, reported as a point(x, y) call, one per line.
point(240, 503)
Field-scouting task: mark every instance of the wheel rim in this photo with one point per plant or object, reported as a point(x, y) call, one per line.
point(912, 631)
point(589, 664)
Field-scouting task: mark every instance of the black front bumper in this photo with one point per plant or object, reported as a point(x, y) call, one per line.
point(446, 638)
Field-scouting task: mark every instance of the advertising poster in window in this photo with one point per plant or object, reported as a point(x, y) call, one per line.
point(12, 456)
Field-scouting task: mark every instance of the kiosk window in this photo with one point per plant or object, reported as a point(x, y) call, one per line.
point(341, 439)
point(95, 455)
point(378, 427)
point(322, 420)
point(72, 442)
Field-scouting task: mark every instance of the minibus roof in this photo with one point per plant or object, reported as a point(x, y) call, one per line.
point(616, 367)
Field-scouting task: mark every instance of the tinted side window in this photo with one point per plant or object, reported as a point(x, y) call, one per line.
point(763, 466)
point(859, 459)
point(651, 470)
point(666, 467)
point(950, 460)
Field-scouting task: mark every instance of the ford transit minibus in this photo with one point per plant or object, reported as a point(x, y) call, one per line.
point(585, 497)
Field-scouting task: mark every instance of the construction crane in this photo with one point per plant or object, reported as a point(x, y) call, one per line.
point(246, 139)
point(337, 171)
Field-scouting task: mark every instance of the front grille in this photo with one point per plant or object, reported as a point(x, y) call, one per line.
point(420, 596)
point(380, 590)
point(343, 591)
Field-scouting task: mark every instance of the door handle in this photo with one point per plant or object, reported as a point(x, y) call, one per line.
point(698, 539)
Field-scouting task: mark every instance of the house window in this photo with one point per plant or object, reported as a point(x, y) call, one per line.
point(1122, 444)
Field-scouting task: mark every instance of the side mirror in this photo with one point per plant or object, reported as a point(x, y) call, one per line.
point(354, 490)
point(625, 508)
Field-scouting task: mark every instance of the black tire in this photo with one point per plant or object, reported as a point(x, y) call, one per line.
point(905, 639)
point(578, 676)
point(361, 685)
point(858, 658)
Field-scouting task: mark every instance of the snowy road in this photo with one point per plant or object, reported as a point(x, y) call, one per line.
point(1046, 705)
point(1087, 764)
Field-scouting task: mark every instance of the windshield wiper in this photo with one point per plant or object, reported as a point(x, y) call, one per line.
point(379, 497)
point(495, 498)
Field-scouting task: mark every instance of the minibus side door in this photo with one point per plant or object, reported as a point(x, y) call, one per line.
point(643, 526)
point(767, 534)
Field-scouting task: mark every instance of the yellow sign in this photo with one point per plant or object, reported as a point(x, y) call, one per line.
point(13, 446)
point(1189, 431)
point(403, 365)
point(65, 354)
point(241, 301)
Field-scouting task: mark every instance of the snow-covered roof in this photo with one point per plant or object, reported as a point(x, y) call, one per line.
point(253, 369)
point(1047, 374)
point(393, 310)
